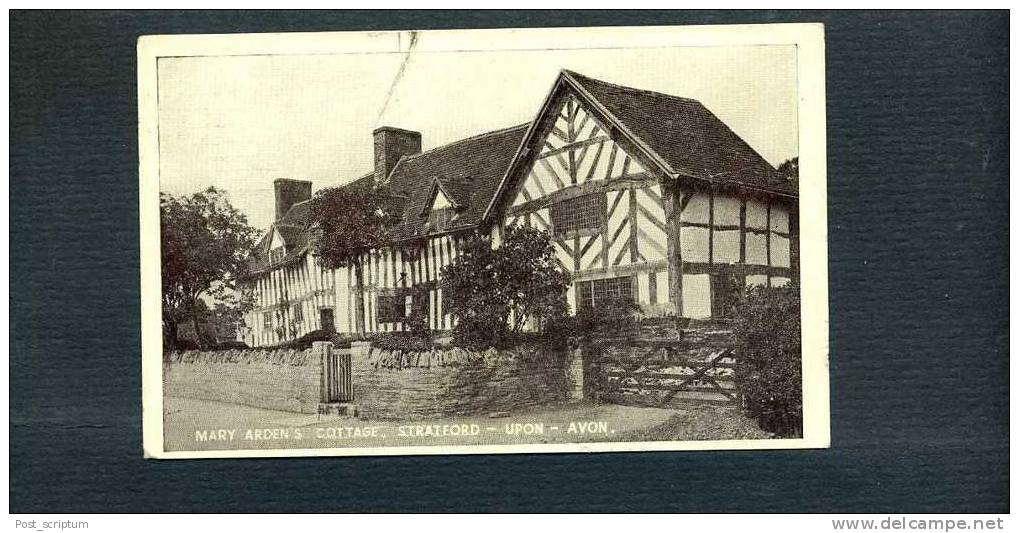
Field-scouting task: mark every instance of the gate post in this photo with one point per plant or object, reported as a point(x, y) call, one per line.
point(575, 372)
point(323, 351)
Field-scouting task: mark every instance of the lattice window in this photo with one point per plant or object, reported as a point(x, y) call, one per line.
point(267, 320)
point(276, 255)
point(298, 313)
point(578, 215)
point(600, 292)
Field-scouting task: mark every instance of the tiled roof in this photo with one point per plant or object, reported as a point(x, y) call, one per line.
point(681, 133)
point(687, 136)
point(469, 170)
point(294, 229)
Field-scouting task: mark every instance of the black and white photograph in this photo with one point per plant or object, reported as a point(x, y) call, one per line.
point(483, 241)
point(547, 268)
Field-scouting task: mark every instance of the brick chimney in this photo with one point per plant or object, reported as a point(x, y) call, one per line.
point(288, 193)
point(390, 145)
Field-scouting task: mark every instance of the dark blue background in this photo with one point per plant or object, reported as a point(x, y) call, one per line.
point(918, 241)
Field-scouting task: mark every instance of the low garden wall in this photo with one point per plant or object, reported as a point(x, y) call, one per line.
point(283, 380)
point(441, 382)
point(388, 384)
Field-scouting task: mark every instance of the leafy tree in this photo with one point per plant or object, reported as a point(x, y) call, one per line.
point(790, 168)
point(205, 245)
point(484, 284)
point(350, 222)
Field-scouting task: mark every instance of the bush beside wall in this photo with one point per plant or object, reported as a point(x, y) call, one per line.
point(768, 368)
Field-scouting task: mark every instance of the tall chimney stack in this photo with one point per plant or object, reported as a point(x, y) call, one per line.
point(289, 192)
point(390, 145)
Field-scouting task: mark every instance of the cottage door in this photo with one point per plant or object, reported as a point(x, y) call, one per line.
point(326, 319)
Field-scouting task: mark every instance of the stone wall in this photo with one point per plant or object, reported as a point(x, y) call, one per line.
point(283, 380)
point(450, 382)
point(387, 385)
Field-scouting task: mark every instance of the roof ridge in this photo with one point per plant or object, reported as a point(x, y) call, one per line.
point(635, 89)
point(465, 139)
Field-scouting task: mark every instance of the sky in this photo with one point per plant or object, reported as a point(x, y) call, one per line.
point(239, 122)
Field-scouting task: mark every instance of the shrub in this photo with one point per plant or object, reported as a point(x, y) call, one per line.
point(305, 341)
point(484, 285)
point(766, 327)
point(406, 341)
point(232, 345)
point(616, 318)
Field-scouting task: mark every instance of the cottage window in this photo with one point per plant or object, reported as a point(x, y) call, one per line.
point(578, 215)
point(600, 292)
point(391, 307)
point(267, 320)
point(438, 219)
point(298, 313)
point(276, 255)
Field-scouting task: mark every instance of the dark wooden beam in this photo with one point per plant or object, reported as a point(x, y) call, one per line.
point(711, 224)
point(671, 199)
point(634, 251)
point(705, 268)
point(619, 271)
point(636, 181)
point(603, 219)
point(767, 236)
point(742, 229)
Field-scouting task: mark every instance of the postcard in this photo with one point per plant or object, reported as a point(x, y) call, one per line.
point(483, 241)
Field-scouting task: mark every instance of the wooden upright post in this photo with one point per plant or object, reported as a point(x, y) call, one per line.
point(671, 198)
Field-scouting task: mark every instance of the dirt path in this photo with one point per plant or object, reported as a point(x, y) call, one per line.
point(205, 425)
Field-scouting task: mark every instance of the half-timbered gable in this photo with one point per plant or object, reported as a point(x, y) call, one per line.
point(599, 203)
point(648, 197)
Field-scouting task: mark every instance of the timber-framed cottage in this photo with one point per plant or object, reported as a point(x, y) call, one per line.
point(645, 196)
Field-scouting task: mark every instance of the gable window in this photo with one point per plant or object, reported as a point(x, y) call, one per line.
point(600, 292)
point(439, 218)
point(577, 216)
point(441, 210)
point(276, 255)
point(391, 307)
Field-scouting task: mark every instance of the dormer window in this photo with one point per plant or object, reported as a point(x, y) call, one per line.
point(441, 209)
point(276, 255)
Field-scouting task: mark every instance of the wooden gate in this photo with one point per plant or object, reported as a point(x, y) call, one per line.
point(659, 372)
point(337, 383)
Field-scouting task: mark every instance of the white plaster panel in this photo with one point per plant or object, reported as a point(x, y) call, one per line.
point(694, 244)
point(696, 295)
point(757, 214)
point(757, 251)
point(696, 210)
point(726, 211)
point(779, 251)
point(726, 246)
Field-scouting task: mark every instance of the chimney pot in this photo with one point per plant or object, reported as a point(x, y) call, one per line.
point(390, 145)
point(289, 192)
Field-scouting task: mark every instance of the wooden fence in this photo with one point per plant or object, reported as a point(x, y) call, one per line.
point(660, 372)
